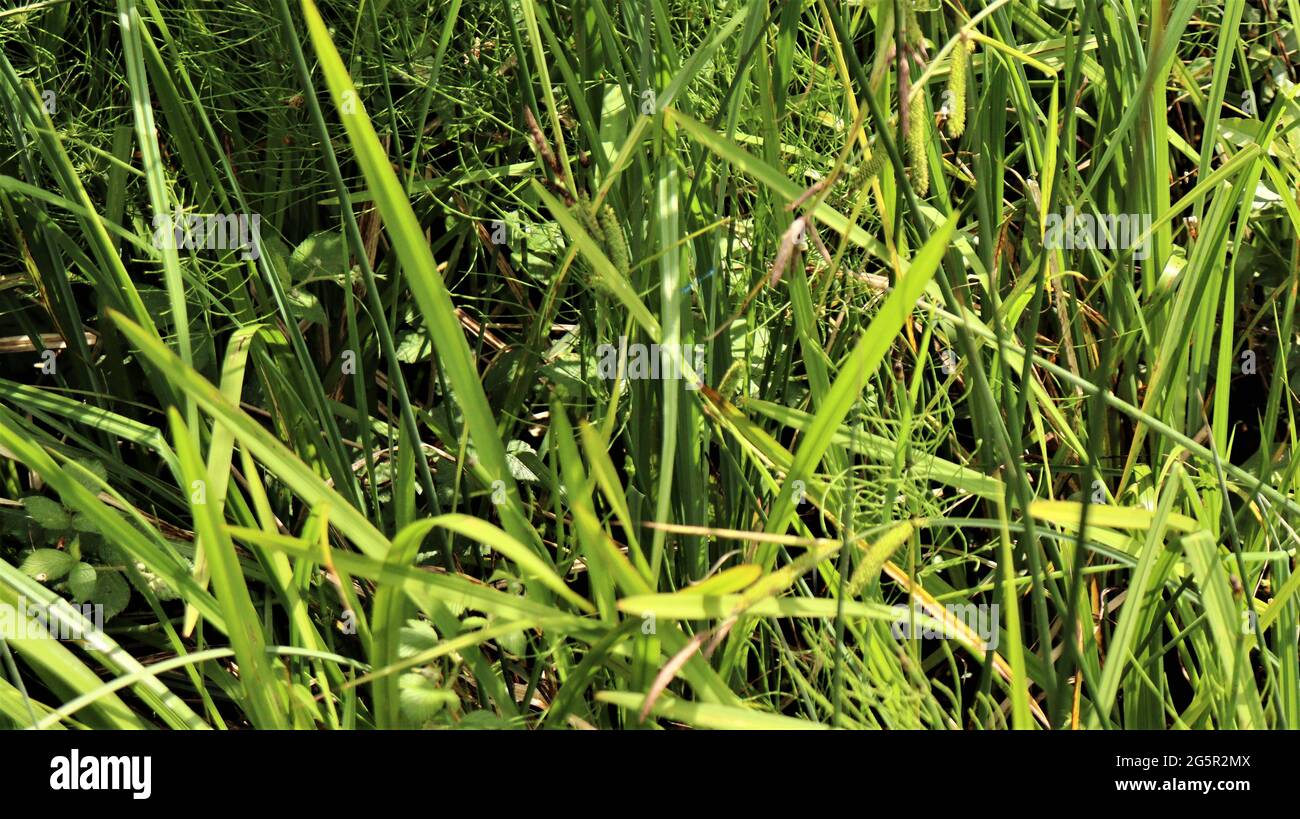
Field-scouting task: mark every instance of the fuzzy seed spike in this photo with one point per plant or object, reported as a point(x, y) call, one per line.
point(918, 133)
point(957, 91)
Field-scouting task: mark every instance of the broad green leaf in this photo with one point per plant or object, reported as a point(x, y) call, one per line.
point(48, 565)
point(49, 514)
point(82, 581)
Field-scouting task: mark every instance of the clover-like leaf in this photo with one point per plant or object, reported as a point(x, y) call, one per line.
point(48, 513)
point(111, 592)
point(94, 468)
point(321, 255)
point(422, 699)
point(82, 581)
point(416, 636)
point(47, 565)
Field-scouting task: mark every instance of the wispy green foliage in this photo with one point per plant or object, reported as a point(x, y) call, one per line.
point(608, 364)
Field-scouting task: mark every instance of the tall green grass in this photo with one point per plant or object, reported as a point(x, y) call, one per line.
point(370, 472)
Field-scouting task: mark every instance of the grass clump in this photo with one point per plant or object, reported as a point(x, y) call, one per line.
point(979, 415)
